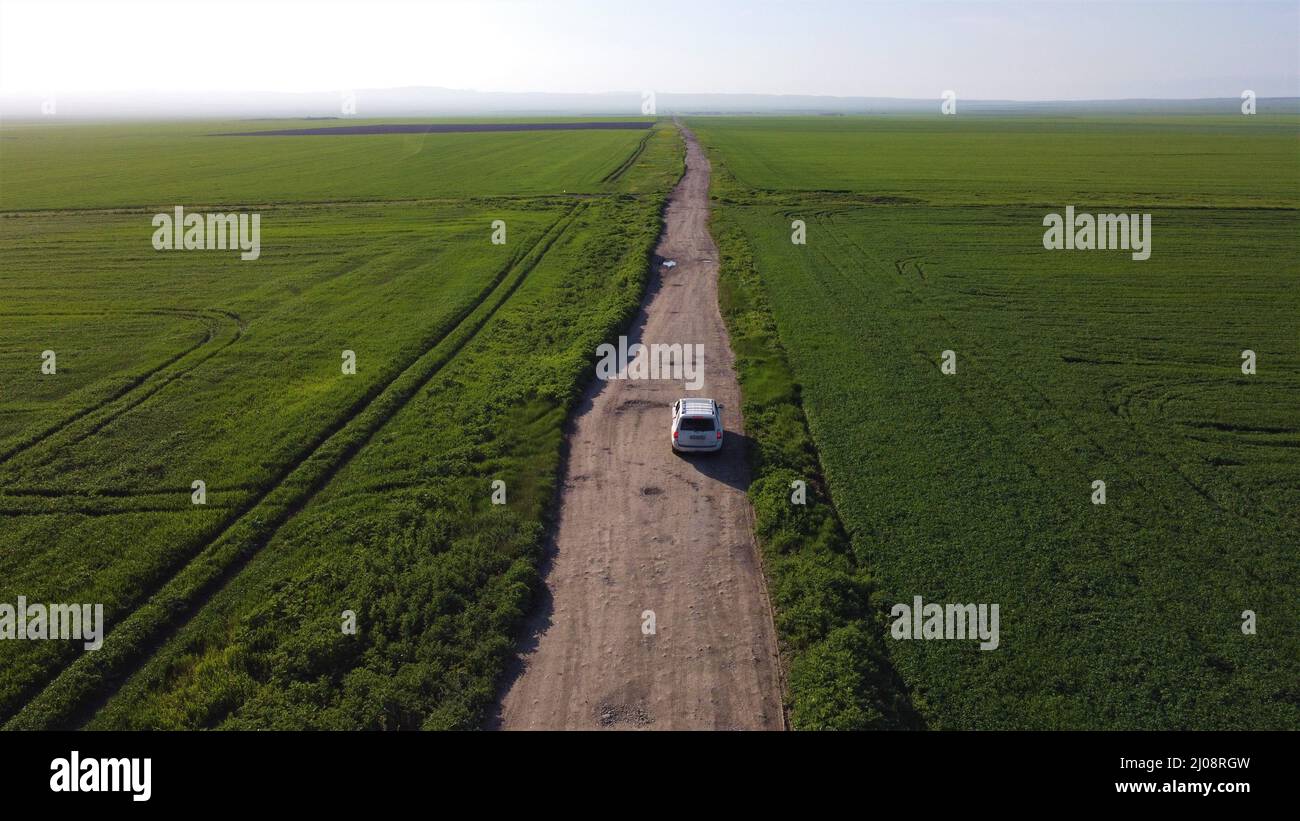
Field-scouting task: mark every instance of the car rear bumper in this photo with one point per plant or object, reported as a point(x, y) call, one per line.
point(704, 447)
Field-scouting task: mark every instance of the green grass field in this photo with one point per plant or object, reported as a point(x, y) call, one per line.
point(326, 492)
point(925, 236)
point(372, 492)
point(146, 164)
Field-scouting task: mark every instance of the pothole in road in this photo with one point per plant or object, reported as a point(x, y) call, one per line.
point(610, 714)
point(635, 405)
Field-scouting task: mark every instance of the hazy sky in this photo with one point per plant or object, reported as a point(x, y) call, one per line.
point(1013, 49)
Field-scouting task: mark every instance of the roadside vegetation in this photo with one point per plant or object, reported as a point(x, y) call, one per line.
point(838, 673)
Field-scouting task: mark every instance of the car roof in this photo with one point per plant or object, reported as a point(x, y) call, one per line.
point(705, 407)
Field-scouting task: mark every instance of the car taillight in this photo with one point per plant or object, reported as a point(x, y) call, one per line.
point(719, 434)
point(674, 434)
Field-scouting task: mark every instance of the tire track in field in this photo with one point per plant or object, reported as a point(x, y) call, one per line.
point(71, 696)
point(1079, 428)
point(640, 528)
point(972, 358)
point(140, 387)
point(617, 173)
point(529, 201)
point(350, 266)
point(104, 502)
point(1022, 406)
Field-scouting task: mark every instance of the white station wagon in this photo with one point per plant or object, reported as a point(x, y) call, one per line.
point(697, 425)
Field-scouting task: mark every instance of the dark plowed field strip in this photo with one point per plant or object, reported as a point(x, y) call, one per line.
point(439, 128)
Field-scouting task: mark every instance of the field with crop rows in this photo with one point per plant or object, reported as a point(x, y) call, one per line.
point(325, 491)
point(925, 235)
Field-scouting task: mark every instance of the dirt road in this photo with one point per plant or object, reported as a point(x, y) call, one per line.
point(643, 529)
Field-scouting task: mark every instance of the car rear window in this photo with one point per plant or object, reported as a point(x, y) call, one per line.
point(697, 423)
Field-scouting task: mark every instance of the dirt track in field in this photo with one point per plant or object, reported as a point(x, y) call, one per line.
point(641, 528)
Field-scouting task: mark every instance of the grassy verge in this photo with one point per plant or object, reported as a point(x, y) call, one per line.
point(838, 673)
